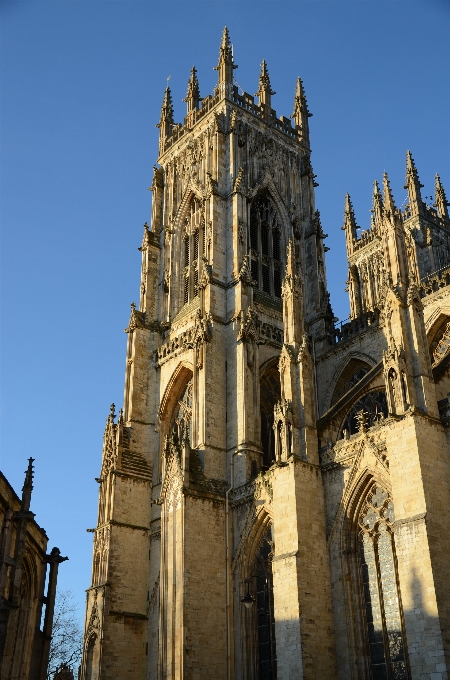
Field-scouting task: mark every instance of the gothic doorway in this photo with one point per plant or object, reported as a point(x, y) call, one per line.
point(270, 393)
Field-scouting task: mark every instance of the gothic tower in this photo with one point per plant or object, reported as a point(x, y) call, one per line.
point(238, 482)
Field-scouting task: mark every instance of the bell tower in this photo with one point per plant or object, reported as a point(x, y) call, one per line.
point(232, 279)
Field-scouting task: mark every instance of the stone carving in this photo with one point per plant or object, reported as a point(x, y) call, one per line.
point(137, 319)
point(443, 347)
point(245, 273)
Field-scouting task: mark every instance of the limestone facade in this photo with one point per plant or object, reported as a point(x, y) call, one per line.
point(263, 453)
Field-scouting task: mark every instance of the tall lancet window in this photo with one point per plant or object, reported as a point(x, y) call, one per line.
point(379, 580)
point(265, 234)
point(192, 246)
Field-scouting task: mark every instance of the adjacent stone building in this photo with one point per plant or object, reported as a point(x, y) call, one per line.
point(24, 645)
point(275, 494)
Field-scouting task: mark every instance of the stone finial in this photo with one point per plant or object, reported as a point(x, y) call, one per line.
point(265, 91)
point(192, 98)
point(441, 199)
point(226, 64)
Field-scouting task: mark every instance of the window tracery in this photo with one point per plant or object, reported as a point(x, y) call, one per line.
point(374, 405)
point(193, 241)
point(383, 617)
point(182, 418)
point(265, 236)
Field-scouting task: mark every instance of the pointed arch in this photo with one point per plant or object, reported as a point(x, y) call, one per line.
point(174, 390)
point(270, 395)
point(356, 360)
point(371, 590)
point(267, 182)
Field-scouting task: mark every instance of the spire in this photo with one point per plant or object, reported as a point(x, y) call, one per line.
point(166, 121)
point(301, 113)
point(377, 206)
point(413, 186)
point(389, 204)
point(27, 487)
point(350, 225)
point(193, 92)
point(264, 90)
point(441, 199)
point(226, 64)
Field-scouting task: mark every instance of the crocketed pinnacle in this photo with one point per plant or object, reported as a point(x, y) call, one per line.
point(193, 92)
point(167, 107)
point(441, 199)
point(264, 90)
point(350, 225)
point(413, 186)
point(389, 204)
point(226, 64)
point(300, 103)
point(377, 205)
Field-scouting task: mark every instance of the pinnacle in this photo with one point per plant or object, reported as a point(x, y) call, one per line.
point(300, 103)
point(388, 197)
point(225, 38)
point(409, 160)
point(167, 106)
point(348, 204)
point(299, 91)
point(28, 483)
point(411, 168)
point(264, 89)
point(376, 189)
point(349, 216)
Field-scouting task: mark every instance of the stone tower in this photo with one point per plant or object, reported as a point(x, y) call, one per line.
point(221, 491)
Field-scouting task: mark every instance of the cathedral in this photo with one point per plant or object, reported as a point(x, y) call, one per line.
point(274, 495)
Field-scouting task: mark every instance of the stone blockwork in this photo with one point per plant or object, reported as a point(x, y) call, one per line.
point(274, 497)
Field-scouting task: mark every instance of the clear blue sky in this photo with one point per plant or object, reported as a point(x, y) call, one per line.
point(81, 89)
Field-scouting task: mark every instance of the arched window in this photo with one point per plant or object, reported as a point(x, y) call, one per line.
point(193, 243)
point(270, 394)
point(265, 234)
point(262, 621)
point(92, 654)
point(382, 613)
point(182, 417)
